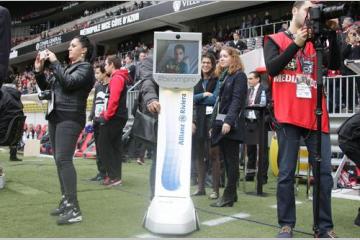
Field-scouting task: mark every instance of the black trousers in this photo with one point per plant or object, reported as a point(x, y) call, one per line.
point(110, 146)
point(99, 161)
point(13, 152)
point(63, 137)
point(230, 150)
point(252, 157)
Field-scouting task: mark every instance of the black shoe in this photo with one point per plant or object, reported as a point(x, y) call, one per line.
point(59, 210)
point(328, 234)
point(98, 177)
point(249, 178)
point(71, 215)
point(357, 219)
point(264, 181)
point(199, 193)
point(15, 159)
point(285, 232)
point(222, 203)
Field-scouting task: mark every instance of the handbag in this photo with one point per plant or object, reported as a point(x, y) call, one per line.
point(144, 127)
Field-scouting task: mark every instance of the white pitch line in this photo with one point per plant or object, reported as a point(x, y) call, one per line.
point(23, 189)
point(296, 203)
point(147, 235)
point(223, 220)
point(344, 194)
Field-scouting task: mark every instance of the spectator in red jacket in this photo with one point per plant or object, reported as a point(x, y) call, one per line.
point(112, 121)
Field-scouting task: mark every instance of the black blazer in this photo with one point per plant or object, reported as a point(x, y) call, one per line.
point(232, 97)
point(240, 45)
point(5, 42)
point(258, 97)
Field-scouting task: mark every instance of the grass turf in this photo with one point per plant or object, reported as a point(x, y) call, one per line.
point(32, 189)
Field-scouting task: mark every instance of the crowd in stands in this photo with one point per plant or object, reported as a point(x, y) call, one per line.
point(46, 29)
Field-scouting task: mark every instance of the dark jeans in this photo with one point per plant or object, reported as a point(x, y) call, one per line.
point(230, 150)
point(99, 161)
point(110, 146)
point(63, 137)
point(289, 142)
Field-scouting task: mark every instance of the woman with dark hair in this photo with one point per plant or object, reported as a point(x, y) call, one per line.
point(205, 93)
point(69, 89)
point(228, 125)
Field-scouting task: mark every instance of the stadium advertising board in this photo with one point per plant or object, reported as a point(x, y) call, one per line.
point(142, 14)
point(117, 22)
point(43, 44)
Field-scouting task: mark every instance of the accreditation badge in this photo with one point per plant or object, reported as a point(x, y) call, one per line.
point(99, 108)
point(209, 110)
point(303, 87)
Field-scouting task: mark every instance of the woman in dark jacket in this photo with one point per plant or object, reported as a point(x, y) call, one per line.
point(70, 87)
point(228, 125)
point(205, 93)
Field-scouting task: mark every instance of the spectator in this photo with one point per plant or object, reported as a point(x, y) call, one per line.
point(205, 94)
point(129, 65)
point(227, 128)
point(70, 88)
point(99, 101)
point(351, 51)
point(112, 122)
point(10, 107)
point(252, 123)
point(284, 27)
point(255, 22)
point(150, 105)
point(237, 43)
point(267, 18)
point(5, 43)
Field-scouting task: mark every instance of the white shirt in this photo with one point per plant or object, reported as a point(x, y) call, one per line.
point(251, 113)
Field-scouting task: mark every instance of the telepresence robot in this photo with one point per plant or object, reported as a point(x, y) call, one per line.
point(176, 70)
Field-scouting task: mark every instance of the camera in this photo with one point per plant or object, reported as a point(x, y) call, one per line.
point(317, 16)
point(44, 95)
point(177, 36)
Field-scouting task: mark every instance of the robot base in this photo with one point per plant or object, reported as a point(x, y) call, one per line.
point(171, 215)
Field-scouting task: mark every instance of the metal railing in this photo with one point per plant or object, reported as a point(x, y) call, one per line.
point(261, 30)
point(342, 94)
point(132, 94)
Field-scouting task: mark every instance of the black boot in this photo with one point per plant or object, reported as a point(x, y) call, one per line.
point(13, 152)
point(223, 202)
point(357, 219)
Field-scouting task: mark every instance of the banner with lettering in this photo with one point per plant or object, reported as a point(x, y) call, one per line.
point(173, 162)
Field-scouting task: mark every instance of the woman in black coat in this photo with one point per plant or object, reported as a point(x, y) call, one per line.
point(70, 88)
point(205, 94)
point(229, 123)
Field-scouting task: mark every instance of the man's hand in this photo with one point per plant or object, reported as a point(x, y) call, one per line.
point(154, 107)
point(225, 128)
point(301, 36)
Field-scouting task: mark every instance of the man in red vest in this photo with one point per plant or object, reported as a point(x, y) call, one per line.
point(291, 63)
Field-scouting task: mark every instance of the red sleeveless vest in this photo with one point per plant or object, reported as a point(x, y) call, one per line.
point(289, 108)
